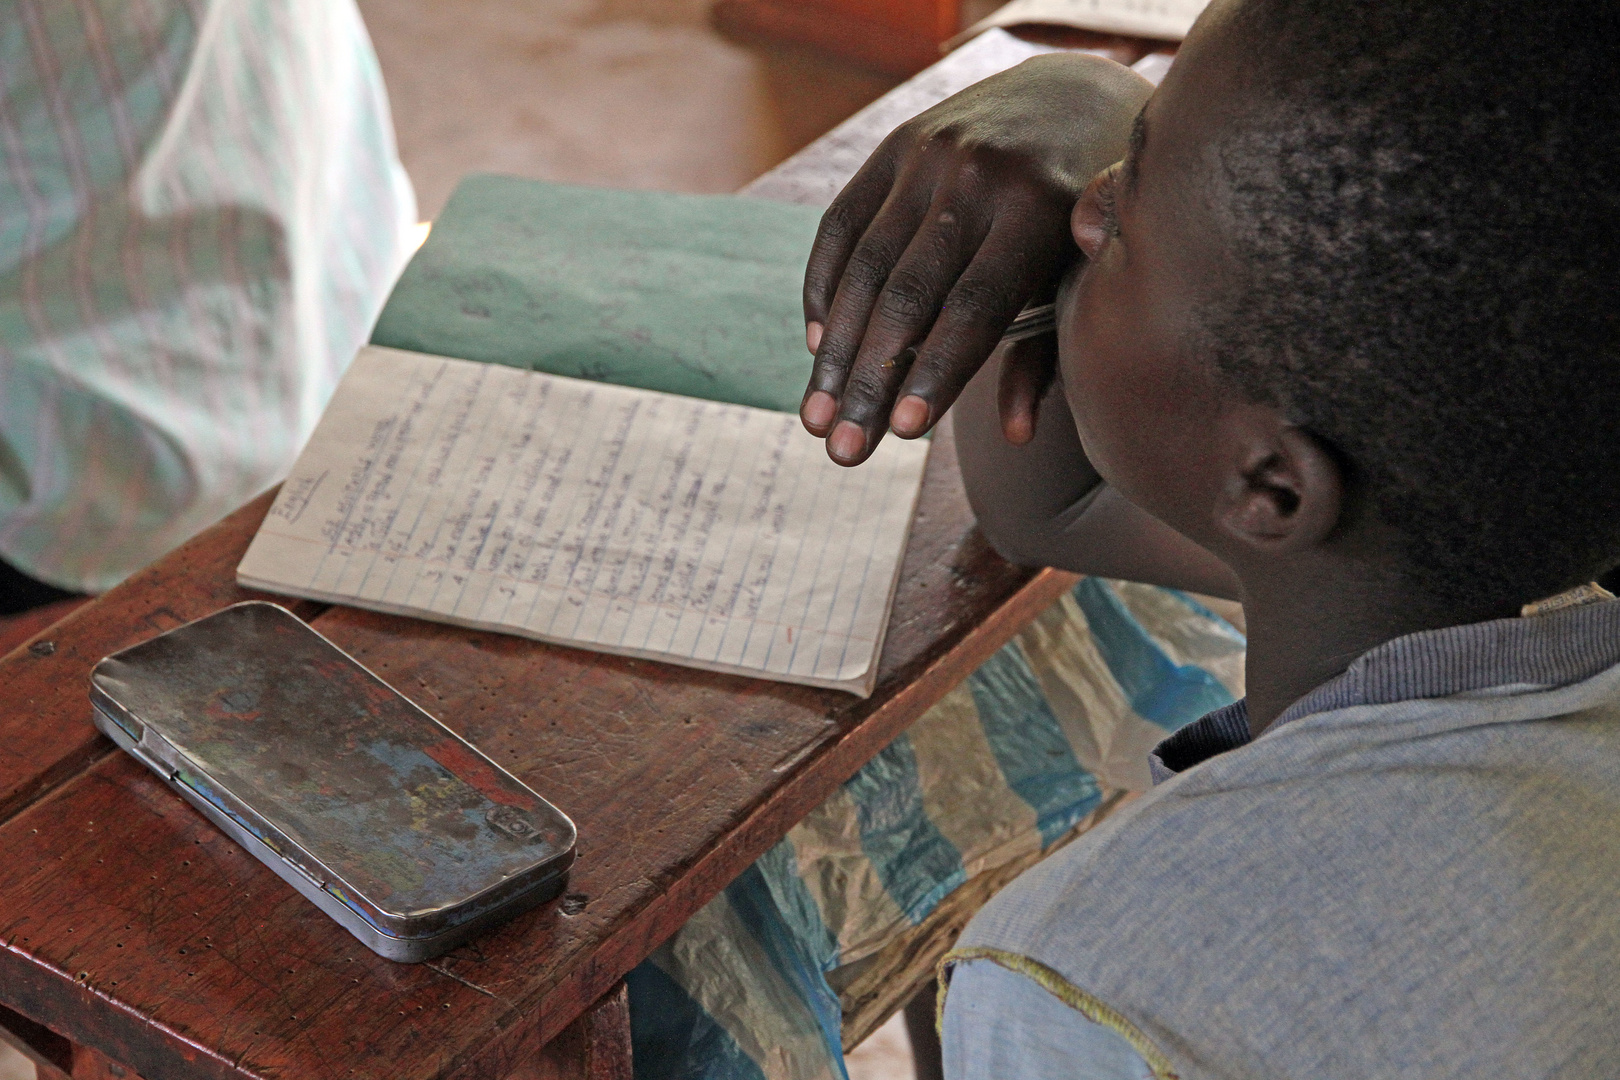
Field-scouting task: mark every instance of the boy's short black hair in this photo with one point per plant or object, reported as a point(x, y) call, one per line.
point(1425, 205)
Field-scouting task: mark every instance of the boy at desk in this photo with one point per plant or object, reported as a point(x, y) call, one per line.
point(1344, 321)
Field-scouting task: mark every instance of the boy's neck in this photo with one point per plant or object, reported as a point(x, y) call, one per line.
point(1305, 629)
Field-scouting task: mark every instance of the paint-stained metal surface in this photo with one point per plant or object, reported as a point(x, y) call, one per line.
point(384, 817)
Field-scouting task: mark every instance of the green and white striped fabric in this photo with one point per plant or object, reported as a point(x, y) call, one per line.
point(201, 212)
point(1006, 765)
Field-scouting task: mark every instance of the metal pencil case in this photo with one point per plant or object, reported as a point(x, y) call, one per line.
point(390, 822)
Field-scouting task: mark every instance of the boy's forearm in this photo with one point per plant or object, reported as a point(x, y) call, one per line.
point(1021, 494)
point(1042, 504)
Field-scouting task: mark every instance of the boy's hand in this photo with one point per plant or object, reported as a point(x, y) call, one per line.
point(948, 230)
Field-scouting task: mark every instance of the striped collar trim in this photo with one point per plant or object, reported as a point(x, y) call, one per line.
point(1553, 644)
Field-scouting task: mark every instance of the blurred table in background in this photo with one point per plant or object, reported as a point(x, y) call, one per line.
point(900, 37)
point(897, 36)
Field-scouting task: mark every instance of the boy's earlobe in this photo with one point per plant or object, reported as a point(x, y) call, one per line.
point(1285, 492)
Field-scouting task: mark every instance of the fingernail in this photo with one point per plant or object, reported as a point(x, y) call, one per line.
point(910, 416)
point(818, 409)
point(812, 335)
point(847, 441)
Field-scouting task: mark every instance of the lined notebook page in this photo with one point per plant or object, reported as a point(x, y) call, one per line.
point(617, 519)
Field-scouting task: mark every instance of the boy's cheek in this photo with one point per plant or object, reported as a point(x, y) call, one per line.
point(1139, 415)
point(1104, 406)
point(1102, 367)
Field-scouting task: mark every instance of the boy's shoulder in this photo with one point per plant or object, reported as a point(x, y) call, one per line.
point(1402, 871)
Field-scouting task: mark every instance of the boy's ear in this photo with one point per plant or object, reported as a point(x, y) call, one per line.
point(1283, 491)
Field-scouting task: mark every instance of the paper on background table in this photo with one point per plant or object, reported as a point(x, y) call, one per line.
point(616, 519)
point(1166, 20)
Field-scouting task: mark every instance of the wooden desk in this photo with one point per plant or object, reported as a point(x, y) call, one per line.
point(133, 929)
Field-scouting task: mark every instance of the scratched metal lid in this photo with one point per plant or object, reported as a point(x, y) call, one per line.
point(268, 727)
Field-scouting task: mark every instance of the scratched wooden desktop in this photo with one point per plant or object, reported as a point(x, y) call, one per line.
point(135, 938)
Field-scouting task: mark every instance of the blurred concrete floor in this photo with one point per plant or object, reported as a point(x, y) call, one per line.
point(885, 1055)
point(623, 93)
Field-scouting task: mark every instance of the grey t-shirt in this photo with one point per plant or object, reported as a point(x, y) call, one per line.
point(1402, 876)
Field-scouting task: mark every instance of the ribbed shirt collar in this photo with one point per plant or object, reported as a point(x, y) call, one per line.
point(1536, 652)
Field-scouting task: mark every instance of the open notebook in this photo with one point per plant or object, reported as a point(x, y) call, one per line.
point(613, 518)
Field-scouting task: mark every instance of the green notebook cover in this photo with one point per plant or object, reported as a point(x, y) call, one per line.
point(689, 294)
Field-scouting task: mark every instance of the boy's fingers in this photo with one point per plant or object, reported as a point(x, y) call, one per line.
point(863, 414)
point(911, 297)
point(864, 277)
point(1009, 267)
point(904, 311)
point(842, 226)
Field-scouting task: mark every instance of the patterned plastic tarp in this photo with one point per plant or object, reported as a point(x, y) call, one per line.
point(1014, 760)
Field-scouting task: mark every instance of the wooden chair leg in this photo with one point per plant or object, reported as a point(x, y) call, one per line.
point(594, 1047)
point(51, 1054)
point(91, 1064)
point(925, 1052)
point(54, 1057)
